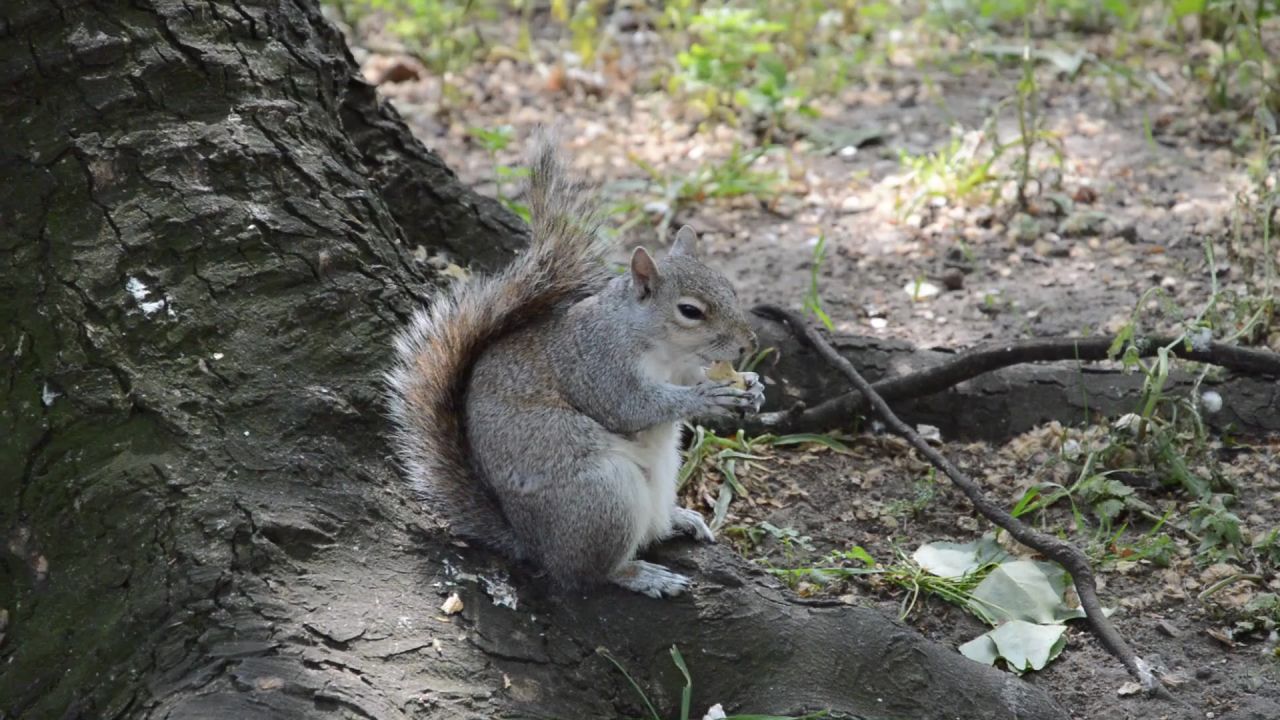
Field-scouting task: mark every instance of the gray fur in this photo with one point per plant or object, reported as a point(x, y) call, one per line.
point(569, 415)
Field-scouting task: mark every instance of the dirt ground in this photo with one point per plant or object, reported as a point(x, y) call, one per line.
point(878, 498)
point(1150, 179)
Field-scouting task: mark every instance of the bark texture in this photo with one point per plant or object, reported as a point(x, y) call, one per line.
point(210, 234)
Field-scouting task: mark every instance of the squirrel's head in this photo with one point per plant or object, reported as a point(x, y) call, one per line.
point(692, 310)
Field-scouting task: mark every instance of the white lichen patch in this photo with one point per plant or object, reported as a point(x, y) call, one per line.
point(48, 395)
point(137, 289)
point(500, 591)
point(141, 293)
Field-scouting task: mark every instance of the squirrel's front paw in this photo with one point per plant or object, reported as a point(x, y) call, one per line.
point(725, 397)
point(690, 522)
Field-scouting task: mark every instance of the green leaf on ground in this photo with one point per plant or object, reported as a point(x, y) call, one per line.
point(1024, 590)
point(955, 560)
point(1022, 645)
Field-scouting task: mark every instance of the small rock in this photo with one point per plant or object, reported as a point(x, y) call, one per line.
point(1059, 250)
point(1211, 401)
point(590, 83)
point(921, 290)
point(1024, 229)
point(715, 712)
point(929, 433)
point(1129, 422)
point(953, 279)
point(1167, 628)
point(1083, 223)
point(1128, 232)
point(1085, 195)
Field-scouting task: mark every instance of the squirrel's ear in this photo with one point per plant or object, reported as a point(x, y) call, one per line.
point(686, 242)
point(644, 273)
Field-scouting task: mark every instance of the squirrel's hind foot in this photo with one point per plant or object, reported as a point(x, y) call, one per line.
point(650, 579)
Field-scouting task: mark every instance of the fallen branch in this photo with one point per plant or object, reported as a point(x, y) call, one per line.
point(839, 410)
point(1058, 550)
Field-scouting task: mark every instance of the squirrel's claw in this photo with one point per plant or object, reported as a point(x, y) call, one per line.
point(690, 522)
point(725, 396)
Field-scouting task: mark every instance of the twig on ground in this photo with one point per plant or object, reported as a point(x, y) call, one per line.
point(1058, 550)
point(837, 411)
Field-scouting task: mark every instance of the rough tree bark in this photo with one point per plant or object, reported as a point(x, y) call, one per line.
point(210, 229)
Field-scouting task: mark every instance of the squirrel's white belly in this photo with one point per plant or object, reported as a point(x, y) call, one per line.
point(654, 458)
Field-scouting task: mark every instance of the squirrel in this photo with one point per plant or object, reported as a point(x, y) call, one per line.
point(539, 409)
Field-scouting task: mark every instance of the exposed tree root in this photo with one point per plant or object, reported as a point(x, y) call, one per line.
point(839, 410)
point(1058, 550)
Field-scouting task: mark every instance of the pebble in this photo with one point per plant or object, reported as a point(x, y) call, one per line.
point(853, 205)
point(1024, 229)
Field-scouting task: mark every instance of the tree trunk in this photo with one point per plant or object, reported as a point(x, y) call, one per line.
point(211, 228)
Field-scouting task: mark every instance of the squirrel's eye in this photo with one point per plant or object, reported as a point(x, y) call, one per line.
point(693, 312)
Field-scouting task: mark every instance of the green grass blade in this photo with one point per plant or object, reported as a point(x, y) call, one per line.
point(814, 438)
point(686, 694)
point(634, 685)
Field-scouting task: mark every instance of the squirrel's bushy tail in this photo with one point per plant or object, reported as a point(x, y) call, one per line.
point(436, 352)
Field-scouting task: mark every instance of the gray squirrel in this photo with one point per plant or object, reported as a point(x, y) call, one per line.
point(538, 409)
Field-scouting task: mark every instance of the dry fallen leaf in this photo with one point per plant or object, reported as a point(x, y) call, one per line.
point(1222, 636)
